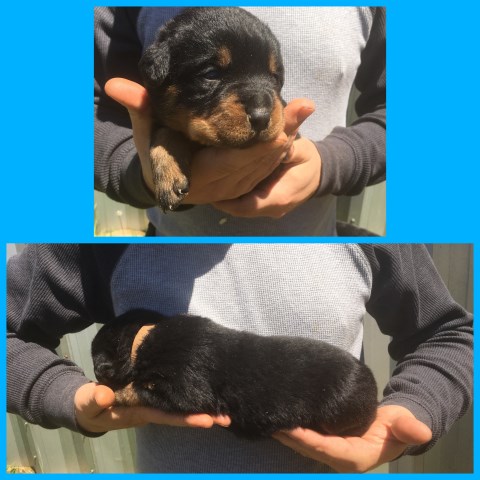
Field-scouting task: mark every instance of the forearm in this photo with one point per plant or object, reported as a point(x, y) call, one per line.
point(52, 290)
point(117, 52)
point(40, 385)
point(353, 157)
point(434, 382)
point(118, 171)
point(432, 337)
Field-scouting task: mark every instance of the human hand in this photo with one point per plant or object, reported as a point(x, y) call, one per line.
point(134, 98)
point(95, 412)
point(291, 184)
point(392, 431)
point(219, 174)
point(216, 174)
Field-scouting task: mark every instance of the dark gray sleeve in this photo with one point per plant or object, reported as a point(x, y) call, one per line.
point(353, 157)
point(51, 290)
point(117, 52)
point(431, 337)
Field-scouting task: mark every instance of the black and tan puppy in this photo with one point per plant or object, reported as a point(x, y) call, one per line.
point(187, 364)
point(214, 77)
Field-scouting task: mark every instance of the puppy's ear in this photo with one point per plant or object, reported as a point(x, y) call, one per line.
point(154, 64)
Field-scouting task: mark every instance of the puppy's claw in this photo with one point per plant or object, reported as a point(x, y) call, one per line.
point(171, 193)
point(171, 199)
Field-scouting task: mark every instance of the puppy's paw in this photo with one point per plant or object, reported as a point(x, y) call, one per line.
point(170, 155)
point(171, 187)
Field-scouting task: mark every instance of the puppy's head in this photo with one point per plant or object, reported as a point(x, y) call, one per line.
point(114, 347)
point(170, 360)
point(215, 74)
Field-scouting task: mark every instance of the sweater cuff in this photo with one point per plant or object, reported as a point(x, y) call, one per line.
point(338, 164)
point(56, 400)
point(352, 158)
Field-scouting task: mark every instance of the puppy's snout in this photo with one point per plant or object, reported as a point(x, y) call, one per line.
point(258, 107)
point(259, 118)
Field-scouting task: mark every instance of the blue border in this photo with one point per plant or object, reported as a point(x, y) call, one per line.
point(433, 97)
point(48, 127)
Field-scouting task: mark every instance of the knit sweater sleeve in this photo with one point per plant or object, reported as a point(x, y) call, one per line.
point(431, 337)
point(117, 168)
point(51, 290)
point(353, 157)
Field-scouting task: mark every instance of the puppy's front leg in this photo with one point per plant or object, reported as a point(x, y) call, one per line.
point(170, 153)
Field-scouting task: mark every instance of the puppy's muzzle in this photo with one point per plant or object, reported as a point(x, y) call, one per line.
point(259, 118)
point(258, 107)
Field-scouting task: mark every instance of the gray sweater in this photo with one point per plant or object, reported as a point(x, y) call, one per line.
point(326, 50)
point(320, 291)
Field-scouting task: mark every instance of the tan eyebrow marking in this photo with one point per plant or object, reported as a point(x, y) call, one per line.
point(224, 56)
point(137, 341)
point(272, 63)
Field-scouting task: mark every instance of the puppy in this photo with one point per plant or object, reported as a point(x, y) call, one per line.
point(188, 364)
point(214, 77)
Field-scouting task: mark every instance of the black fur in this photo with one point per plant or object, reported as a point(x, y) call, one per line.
point(214, 77)
point(189, 364)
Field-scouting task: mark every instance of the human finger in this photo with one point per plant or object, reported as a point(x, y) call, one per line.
point(411, 431)
point(131, 95)
point(134, 98)
point(124, 417)
point(91, 399)
point(303, 439)
point(296, 112)
point(349, 454)
point(103, 396)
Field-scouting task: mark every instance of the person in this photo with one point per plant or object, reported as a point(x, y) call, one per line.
point(235, 191)
point(321, 291)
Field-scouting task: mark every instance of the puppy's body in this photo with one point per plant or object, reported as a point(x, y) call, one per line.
point(214, 75)
point(190, 364)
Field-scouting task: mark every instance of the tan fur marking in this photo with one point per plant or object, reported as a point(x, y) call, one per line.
point(127, 396)
point(169, 99)
point(272, 64)
point(224, 56)
point(139, 337)
point(172, 90)
point(228, 125)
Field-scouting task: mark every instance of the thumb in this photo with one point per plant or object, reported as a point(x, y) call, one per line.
point(296, 112)
point(131, 95)
point(91, 399)
point(134, 98)
point(104, 397)
point(411, 431)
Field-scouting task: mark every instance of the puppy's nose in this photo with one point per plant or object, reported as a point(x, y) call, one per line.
point(259, 118)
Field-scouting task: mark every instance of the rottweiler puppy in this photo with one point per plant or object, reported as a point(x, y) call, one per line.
point(214, 77)
point(188, 364)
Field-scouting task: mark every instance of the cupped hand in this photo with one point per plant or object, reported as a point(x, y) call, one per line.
point(217, 174)
point(394, 429)
point(95, 412)
point(291, 184)
point(220, 174)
